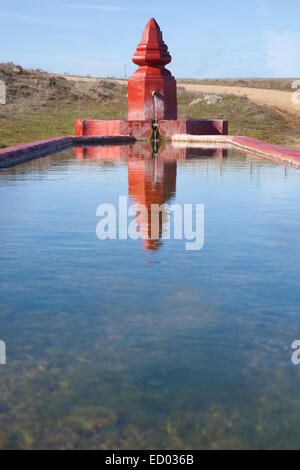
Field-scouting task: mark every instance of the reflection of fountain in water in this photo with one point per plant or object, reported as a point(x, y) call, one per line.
point(152, 173)
point(151, 181)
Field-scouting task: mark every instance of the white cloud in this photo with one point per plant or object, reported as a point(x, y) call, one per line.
point(93, 7)
point(283, 53)
point(26, 18)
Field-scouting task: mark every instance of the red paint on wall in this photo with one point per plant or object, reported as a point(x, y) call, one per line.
point(168, 129)
point(136, 129)
point(141, 130)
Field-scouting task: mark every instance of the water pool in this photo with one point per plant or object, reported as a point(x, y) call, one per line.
point(129, 344)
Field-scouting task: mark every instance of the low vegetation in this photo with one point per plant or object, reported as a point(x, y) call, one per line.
point(41, 105)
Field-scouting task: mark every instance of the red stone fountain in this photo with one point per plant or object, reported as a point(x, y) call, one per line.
point(152, 99)
point(152, 92)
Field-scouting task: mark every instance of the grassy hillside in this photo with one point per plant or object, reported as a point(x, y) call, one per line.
point(40, 106)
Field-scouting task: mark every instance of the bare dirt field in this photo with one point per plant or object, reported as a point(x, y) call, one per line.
point(264, 97)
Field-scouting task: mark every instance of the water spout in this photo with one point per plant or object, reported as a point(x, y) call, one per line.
point(155, 136)
point(154, 94)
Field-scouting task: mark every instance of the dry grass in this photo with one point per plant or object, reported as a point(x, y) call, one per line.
point(284, 84)
point(41, 106)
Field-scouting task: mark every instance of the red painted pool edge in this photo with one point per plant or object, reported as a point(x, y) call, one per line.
point(277, 153)
point(10, 156)
point(28, 151)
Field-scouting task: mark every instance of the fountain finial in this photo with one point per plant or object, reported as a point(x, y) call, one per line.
point(152, 50)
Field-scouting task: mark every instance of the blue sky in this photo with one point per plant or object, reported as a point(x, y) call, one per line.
point(207, 39)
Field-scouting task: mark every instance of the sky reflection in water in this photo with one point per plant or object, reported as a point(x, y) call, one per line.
point(190, 350)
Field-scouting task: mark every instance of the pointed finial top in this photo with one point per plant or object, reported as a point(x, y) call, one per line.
point(152, 50)
point(152, 24)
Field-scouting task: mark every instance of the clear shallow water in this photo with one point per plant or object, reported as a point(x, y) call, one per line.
point(123, 344)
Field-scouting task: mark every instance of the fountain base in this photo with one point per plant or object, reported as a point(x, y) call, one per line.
point(142, 130)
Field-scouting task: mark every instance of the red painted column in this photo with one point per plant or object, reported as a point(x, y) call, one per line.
point(152, 92)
